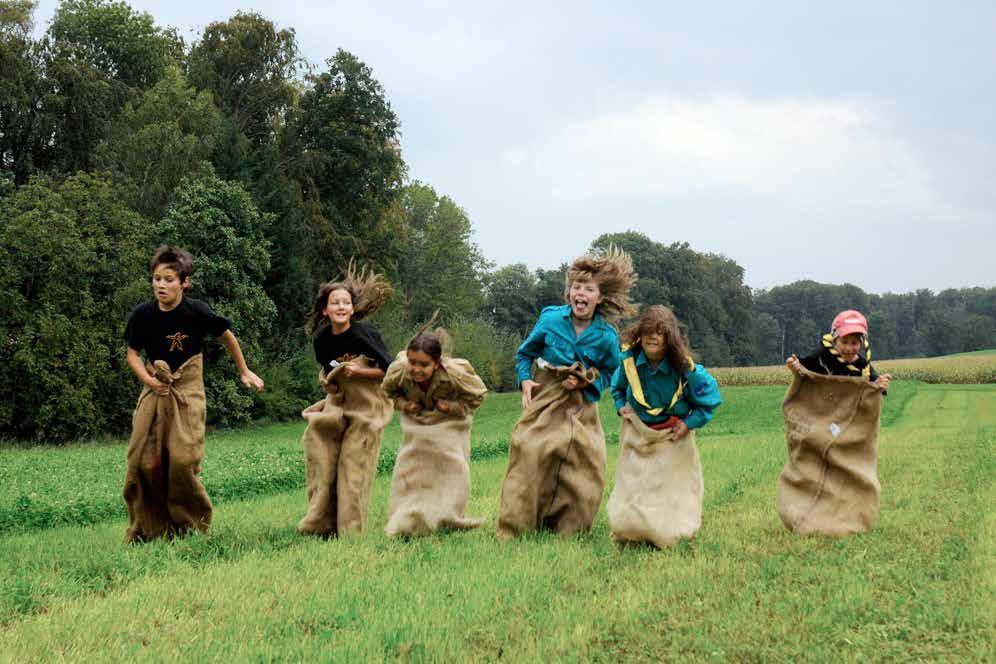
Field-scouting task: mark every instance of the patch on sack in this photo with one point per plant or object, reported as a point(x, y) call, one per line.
point(834, 429)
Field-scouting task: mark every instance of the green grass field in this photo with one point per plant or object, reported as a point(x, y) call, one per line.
point(921, 585)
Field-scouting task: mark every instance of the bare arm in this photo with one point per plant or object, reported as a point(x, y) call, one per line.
point(147, 379)
point(249, 379)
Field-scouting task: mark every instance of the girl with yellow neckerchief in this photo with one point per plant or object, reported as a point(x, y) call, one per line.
point(658, 381)
point(846, 351)
point(662, 397)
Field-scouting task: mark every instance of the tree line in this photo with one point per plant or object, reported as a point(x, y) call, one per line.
point(116, 136)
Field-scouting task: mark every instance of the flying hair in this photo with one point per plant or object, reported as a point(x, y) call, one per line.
point(612, 270)
point(434, 344)
point(368, 290)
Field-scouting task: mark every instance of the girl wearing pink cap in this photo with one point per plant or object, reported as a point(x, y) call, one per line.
point(844, 352)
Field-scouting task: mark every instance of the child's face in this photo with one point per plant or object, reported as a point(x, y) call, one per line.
point(848, 346)
point(339, 307)
point(654, 344)
point(167, 286)
point(421, 366)
point(584, 297)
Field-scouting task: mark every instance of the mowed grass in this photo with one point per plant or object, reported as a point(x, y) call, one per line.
point(45, 486)
point(919, 586)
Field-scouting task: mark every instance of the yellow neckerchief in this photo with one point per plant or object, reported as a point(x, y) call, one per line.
point(633, 376)
point(829, 345)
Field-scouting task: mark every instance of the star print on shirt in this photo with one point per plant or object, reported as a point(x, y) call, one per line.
point(176, 341)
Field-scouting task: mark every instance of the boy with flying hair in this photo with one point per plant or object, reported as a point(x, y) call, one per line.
point(556, 457)
point(162, 489)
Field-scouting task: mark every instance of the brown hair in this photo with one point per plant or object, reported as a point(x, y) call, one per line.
point(367, 289)
point(174, 258)
point(659, 318)
point(612, 270)
point(433, 344)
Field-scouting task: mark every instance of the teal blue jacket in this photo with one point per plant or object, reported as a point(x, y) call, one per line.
point(553, 338)
point(695, 406)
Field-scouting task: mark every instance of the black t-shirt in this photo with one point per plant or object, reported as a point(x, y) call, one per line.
point(175, 335)
point(359, 339)
point(825, 362)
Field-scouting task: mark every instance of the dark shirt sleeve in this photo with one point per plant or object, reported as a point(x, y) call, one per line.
point(210, 322)
point(376, 346)
point(320, 343)
point(812, 362)
point(134, 333)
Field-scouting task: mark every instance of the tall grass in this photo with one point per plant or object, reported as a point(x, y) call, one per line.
point(956, 369)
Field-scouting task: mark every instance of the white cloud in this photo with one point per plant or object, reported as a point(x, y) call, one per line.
point(825, 153)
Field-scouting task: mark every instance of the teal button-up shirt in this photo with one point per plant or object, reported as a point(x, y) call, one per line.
point(695, 406)
point(553, 338)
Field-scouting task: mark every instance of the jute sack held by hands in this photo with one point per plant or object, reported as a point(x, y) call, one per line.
point(341, 444)
point(556, 460)
point(829, 484)
point(658, 493)
point(162, 489)
point(430, 486)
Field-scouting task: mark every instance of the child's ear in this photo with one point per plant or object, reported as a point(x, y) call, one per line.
point(185, 284)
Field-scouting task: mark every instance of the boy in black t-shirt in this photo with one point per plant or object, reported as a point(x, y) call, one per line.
point(162, 490)
point(172, 327)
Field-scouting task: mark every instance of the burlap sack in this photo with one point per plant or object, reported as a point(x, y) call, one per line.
point(556, 460)
point(162, 489)
point(430, 486)
point(658, 493)
point(341, 444)
point(431, 482)
point(829, 484)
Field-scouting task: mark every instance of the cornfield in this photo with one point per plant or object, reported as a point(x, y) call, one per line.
point(949, 369)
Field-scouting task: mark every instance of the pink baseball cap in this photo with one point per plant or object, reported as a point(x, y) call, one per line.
point(848, 322)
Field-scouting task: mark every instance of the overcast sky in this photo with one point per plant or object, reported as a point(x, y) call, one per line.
point(845, 141)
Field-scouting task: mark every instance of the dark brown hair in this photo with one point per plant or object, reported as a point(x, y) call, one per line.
point(659, 318)
point(433, 344)
point(612, 270)
point(367, 289)
point(174, 258)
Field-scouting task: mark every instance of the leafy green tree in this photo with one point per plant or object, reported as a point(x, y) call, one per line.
point(250, 67)
point(441, 267)
point(350, 170)
point(706, 292)
point(26, 125)
point(116, 40)
point(510, 300)
point(168, 135)
point(98, 56)
point(550, 287)
point(17, 17)
point(882, 332)
point(218, 222)
point(76, 263)
point(978, 332)
point(767, 339)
